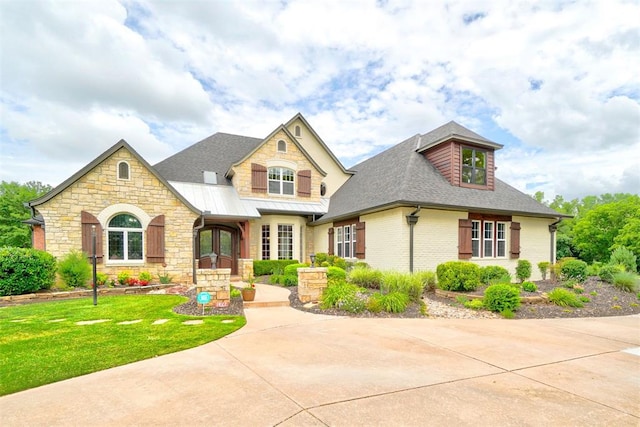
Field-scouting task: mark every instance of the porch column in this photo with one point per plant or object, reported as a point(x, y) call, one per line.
point(245, 239)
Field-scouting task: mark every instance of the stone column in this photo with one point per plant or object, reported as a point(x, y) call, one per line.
point(311, 283)
point(245, 268)
point(218, 283)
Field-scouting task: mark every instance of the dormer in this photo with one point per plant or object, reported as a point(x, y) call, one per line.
point(463, 157)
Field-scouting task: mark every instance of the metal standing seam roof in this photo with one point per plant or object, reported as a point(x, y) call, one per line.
point(215, 200)
point(288, 207)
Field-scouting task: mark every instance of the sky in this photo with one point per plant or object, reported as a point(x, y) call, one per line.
point(556, 82)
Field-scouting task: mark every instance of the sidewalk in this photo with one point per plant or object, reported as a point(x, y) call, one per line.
point(291, 368)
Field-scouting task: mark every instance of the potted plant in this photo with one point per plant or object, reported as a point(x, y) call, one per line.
point(249, 291)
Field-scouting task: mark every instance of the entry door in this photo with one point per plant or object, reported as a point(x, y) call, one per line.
point(224, 246)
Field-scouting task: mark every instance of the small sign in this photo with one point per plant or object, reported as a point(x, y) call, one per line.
point(204, 297)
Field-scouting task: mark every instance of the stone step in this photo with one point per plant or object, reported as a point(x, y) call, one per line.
point(265, 304)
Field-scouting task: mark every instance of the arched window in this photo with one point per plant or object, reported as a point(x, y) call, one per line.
point(124, 238)
point(282, 146)
point(123, 170)
point(281, 181)
point(297, 131)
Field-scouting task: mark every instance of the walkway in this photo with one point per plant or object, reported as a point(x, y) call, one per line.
point(292, 368)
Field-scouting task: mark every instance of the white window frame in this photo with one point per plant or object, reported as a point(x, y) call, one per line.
point(285, 247)
point(282, 183)
point(339, 246)
point(501, 237)
point(491, 235)
point(125, 242)
point(476, 230)
point(266, 241)
point(487, 238)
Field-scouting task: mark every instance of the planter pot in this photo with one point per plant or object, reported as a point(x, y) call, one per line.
point(248, 294)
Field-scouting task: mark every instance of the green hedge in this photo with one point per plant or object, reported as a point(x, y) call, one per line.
point(23, 270)
point(458, 276)
point(292, 269)
point(271, 266)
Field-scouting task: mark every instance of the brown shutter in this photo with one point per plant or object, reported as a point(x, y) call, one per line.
point(304, 183)
point(88, 221)
point(155, 240)
point(515, 240)
point(331, 241)
point(464, 239)
point(360, 242)
point(258, 178)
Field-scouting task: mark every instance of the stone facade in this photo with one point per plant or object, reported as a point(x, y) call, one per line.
point(101, 192)
point(245, 268)
point(311, 283)
point(217, 283)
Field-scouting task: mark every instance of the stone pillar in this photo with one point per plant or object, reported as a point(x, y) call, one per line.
point(218, 283)
point(311, 283)
point(245, 268)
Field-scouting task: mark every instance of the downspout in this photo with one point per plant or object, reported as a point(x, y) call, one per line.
point(412, 219)
point(195, 239)
point(552, 244)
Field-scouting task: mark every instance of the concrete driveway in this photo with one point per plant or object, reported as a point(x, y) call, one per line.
point(292, 368)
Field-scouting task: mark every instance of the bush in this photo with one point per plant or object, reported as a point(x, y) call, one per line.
point(326, 260)
point(144, 277)
point(428, 279)
point(523, 270)
point(458, 276)
point(336, 273)
point(491, 272)
point(543, 266)
point(409, 284)
point(24, 270)
point(235, 293)
point(624, 256)
point(474, 304)
point(276, 279)
point(393, 302)
point(292, 269)
point(574, 269)
point(625, 281)
point(101, 279)
point(343, 296)
point(74, 269)
point(529, 287)
point(123, 277)
point(271, 266)
point(608, 271)
point(499, 298)
point(289, 280)
point(594, 269)
point(564, 298)
point(365, 277)
point(165, 278)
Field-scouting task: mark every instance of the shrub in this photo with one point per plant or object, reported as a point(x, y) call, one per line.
point(74, 269)
point(523, 270)
point(276, 279)
point(24, 270)
point(330, 260)
point(336, 273)
point(564, 298)
point(574, 269)
point(165, 278)
point(458, 276)
point(428, 279)
point(144, 277)
point(344, 296)
point(570, 284)
point(271, 266)
point(292, 269)
point(608, 271)
point(626, 257)
point(290, 281)
point(507, 314)
point(491, 272)
point(101, 279)
point(529, 287)
point(235, 292)
point(365, 277)
point(474, 304)
point(393, 302)
point(501, 297)
point(625, 281)
point(123, 277)
point(543, 266)
point(393, 281)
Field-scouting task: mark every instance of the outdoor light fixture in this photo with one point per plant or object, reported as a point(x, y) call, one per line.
point(313, 259)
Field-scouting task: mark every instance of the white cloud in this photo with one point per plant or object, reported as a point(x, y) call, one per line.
point(560, 77)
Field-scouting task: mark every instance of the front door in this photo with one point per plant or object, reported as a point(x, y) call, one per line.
point(221, 241)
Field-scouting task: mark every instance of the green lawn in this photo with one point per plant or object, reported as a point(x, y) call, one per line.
point(41, 343)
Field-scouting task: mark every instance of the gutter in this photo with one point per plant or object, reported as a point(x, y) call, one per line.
point(412, 220)
point(195, 237)
point(552, 241)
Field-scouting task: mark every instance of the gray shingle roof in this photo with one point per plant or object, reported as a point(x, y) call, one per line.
point(213, 154)
point(452, 130)
point(402, 176)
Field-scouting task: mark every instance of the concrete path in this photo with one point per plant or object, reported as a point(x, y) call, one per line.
point(292, 368)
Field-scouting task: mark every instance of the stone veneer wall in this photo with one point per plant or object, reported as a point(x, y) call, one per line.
point(218, 283)
point(245, 268)
point(98, 190)
point(311, 283)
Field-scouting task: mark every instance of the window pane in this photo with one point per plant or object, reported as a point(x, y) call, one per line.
point(475, 238)
point(134, 245)
point(287, 175)
point(125, 221)
point(123, 170)
point(116, 245)
point(481, 177)
point(285, 242)
point(467, 157)
point(274, 187)
point(266, 242)
point(475, 248)
point(501, 248)
point(206, 246)
point(488, 248)
point(480, 159)
point(287, 188)
point(225, 243)
point(274, 173)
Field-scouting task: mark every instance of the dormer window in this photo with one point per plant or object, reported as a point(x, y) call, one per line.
point(123, 170)
point(297, 131)
point(281, 181)
point(474, 166)
point(282, 146)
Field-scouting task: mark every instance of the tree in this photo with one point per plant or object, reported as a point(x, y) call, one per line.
point(595, 233)
point(629, 237)
point(12, 211)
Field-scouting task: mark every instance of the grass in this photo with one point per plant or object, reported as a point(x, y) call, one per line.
point(40, 343)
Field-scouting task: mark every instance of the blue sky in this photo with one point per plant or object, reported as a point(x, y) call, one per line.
point(555, 82)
